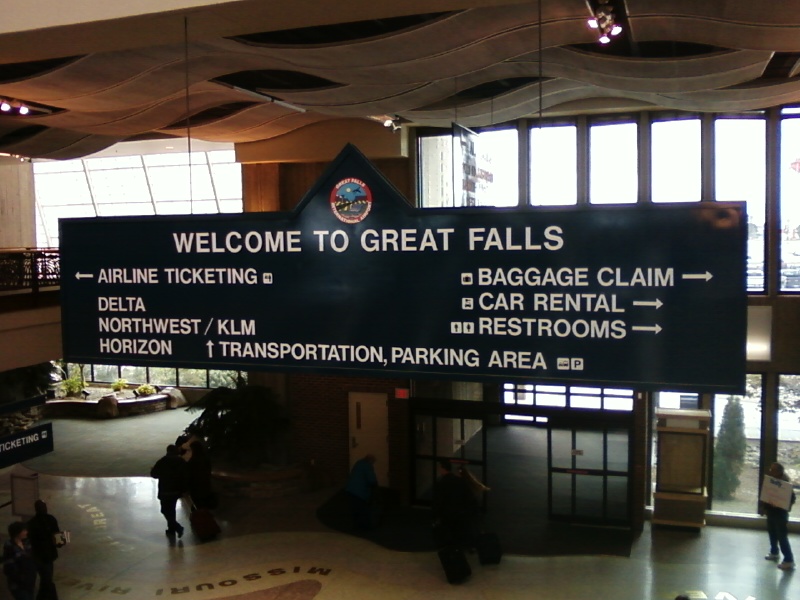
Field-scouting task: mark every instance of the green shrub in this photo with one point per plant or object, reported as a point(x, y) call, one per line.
point(145, 390)
point(119, 385)
point(729, 451)
point(72, 386)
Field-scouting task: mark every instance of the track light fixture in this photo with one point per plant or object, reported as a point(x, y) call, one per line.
point(15, 157)
point(392, 122)
point(11, 106)
point(603, 20)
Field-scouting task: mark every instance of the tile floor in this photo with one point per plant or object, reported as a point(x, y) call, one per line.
point(277, 549)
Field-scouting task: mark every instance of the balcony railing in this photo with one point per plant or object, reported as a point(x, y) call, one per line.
point(29, 268)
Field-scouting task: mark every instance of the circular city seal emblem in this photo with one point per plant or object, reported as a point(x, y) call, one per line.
point(351, 200)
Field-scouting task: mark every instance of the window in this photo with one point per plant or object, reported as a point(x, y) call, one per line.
point(676, 161)
point(613, 163)
point(789, 425)
point(495, 170)
point(737, 449)
point(790, 205)
point(561, 396)
point(554, 165)
point(740, 176)
point(134, 185)
point(498, 168)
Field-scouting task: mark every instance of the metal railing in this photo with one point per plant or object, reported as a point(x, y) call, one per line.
point(29, 268)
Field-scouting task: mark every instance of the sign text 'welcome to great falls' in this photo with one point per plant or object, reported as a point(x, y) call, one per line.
point(356, 281)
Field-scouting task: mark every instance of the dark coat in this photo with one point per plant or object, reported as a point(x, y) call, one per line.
point(172, 474)
point(200, 489)
point(453, 497)
point(41, 534)
point(18, 566)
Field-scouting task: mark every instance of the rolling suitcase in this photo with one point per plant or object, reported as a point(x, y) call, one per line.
point(204, 524)
point(489, 550)
point(455, 565)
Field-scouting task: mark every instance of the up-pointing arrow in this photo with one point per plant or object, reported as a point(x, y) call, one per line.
point(706, 276)
point(654, 328)
point(210, 346)
point(654, 303)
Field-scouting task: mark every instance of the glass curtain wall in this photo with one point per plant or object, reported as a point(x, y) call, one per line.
point(157, 184)
point(203, 182)
point(673, 157)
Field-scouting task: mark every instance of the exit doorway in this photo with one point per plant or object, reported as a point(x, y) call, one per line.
point(545, 471)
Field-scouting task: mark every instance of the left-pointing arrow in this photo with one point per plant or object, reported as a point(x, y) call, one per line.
point(80, 275)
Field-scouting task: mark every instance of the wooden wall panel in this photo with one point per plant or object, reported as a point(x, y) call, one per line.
point(17, 206)
point(281, 186)
point(260, 187)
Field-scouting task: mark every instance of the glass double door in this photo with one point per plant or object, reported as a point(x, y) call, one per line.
point(558, 471)
point(460, 440)
point(588, 474)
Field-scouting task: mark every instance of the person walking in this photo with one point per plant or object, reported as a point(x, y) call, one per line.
point(455, 508)
point(360, 488)
point(172, 473)
point(778, 524)
point(18, 564)
point(42, 531)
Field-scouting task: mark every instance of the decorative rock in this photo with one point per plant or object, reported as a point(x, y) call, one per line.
point(176, 398)
point(108, 407)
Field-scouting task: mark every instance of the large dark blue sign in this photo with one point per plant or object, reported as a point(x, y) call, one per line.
point(355, 280)
point(25, 445)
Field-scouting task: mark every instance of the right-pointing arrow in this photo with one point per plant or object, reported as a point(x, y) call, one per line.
point(653, 328)
point(705, 276)
point(654, 303)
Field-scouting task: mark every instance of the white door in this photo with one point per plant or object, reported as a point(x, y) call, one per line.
point(369, 431)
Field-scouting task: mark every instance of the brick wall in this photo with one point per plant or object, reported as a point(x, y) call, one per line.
point(320, 432)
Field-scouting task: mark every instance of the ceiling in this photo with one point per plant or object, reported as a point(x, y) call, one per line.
point(247, 71)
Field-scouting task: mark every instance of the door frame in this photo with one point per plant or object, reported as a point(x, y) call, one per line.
point(490, 412)
point(376, 442)
point(576, 471)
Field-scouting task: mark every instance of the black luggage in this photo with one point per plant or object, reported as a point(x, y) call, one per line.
point(489, 550)
point(455, 565)
point(204, 524)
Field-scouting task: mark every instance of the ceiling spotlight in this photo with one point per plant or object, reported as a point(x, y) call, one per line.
point(5, 106)
point(604, 22)
point(23, 110)
point(392, 122)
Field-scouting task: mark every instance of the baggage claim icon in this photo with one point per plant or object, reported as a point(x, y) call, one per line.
point(351, 200)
